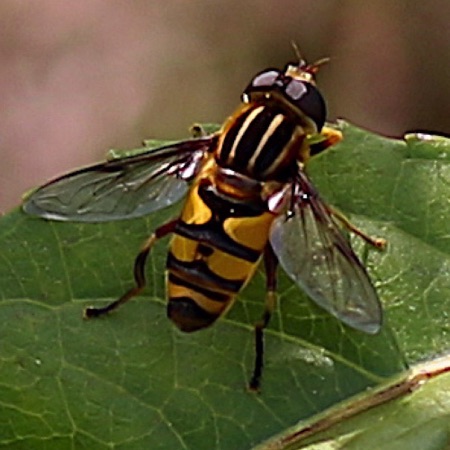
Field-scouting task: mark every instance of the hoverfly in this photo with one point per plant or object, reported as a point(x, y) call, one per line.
point(247, 199)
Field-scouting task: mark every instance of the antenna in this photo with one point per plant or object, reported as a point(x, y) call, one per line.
point(314, 68)
point(296, 51)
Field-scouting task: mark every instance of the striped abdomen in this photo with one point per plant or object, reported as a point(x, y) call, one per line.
point(215, 250)
point(263, 142)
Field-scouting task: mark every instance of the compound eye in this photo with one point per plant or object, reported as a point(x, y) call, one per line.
point(265, 79)
point(307, 99)
point(296, 89)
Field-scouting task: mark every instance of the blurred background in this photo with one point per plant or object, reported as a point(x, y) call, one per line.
point(77, 78)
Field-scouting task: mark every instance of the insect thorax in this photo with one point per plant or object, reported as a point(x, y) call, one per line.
point(262, 141)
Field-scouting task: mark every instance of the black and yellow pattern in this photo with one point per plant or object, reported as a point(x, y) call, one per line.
point(217, 244)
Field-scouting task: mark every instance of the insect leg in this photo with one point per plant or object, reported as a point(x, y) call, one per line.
point(139, 272)
point(379, 243)
point(326, 138)
point(270, 265)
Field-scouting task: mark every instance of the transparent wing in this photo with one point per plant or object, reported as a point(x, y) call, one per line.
point(121, 188)
point(315, 254)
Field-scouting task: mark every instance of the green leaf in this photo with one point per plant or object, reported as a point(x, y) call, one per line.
point(419, 421)
point(132, 381)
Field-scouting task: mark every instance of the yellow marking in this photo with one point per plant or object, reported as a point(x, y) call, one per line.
point(229, 266)
point(231, 120)
point(331, 136)
point(211, 306)
point(276, 122)
point(183, 249)
point(243, 129)
point(325, 139)
point(195, 211)
point(222, 263)
point(297, 135)
point(252, 232)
